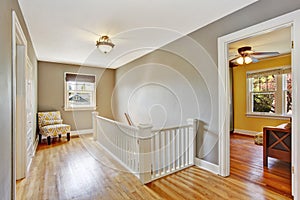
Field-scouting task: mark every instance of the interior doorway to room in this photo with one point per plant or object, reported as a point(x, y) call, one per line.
point(290, 19)
point(261, 90)
point(22, 111)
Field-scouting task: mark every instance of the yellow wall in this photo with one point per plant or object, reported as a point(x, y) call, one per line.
point(241, 121)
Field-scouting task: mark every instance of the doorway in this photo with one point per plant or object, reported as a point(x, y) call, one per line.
point(20, 108)
point(224, 90)
point(261, 96)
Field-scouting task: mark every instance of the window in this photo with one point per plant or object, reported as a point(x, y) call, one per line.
point(270, 92)
point(80, 91)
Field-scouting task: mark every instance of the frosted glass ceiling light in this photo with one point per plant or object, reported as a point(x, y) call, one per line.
point(240, 60)
point(248, 60)
point(104, 44)
point(244, 60)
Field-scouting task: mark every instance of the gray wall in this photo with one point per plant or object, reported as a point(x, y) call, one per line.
point(6, 91)
point(167, 87)
point(51, 92)
point(200, 52)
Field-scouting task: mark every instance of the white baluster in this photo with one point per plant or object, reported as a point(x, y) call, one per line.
point(163, 149)
point(177, 147)
point(183, 147)
point(160, 153)
point(192, 139)
point(187, 146)
point(169, 150)
point(173, 149)
point(153, 157)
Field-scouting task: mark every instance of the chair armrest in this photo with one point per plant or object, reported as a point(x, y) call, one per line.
point(274, 128)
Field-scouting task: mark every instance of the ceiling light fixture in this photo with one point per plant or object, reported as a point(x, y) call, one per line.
point(244, 60)
point(248, 60)
point(104, 44)
point(240, 60)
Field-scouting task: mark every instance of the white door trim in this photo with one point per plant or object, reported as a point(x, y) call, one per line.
point(290, 19)
point(19, 52)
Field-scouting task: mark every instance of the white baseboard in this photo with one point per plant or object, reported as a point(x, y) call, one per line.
point(80, 132)
point(207, 165)
point(245, 132)
point(35, 144)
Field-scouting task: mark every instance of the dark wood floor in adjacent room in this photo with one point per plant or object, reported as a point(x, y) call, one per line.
point(80, 169)
point(247, 163)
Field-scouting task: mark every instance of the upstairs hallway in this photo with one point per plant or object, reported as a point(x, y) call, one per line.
point(80, 169)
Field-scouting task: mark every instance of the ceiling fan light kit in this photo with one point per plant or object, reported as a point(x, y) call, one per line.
point(104, 44)
point(246, 54)
point(244, 60)
point(248, 60)
point(240, 60)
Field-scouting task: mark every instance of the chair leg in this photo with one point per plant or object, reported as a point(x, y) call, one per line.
point(49, 140)
point(40, 138)
point(59, 136)
point(68, 136)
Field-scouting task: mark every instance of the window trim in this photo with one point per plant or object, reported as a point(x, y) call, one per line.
point(268, 116)
point(279, 112)
point(67, 107)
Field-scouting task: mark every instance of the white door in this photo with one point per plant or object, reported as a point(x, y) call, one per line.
point(21, 158)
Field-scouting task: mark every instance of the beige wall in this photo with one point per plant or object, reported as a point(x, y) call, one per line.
point(6, 91)
point(51, 92)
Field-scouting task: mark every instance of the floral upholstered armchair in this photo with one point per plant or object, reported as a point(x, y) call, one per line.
point(50, 125)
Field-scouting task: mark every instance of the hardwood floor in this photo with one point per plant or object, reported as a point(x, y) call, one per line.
point(247, 163)
point(80, 169)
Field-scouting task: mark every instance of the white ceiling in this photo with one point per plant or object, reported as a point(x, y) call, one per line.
point(66, 30)
point(275, 41)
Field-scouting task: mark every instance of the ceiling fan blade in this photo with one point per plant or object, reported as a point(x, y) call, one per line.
point(233, 59)
point(254, 60)
point(265, 53)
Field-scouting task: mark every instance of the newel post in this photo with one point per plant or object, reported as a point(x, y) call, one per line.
point(94, 120)
point(144, 138)
point(192, 139)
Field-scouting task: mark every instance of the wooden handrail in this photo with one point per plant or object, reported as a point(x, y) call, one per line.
point(128, 119)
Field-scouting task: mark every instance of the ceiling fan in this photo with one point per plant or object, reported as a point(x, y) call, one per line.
point(247, 56)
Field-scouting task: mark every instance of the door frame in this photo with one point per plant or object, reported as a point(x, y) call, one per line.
point(19, 54)
point(291, 19)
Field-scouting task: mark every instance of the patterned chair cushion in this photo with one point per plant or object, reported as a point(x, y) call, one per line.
point(258, 138)
point(55, 129)
point(42, 116)
point(50, 124)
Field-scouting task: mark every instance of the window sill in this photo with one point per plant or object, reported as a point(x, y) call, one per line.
point(268, 116)
point(80, 109)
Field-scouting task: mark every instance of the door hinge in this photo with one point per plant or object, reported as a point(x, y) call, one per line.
point(292, 44)
point(293, 169)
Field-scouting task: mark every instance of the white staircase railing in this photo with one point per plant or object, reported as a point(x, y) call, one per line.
point(172, 149)
point(149, 154)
